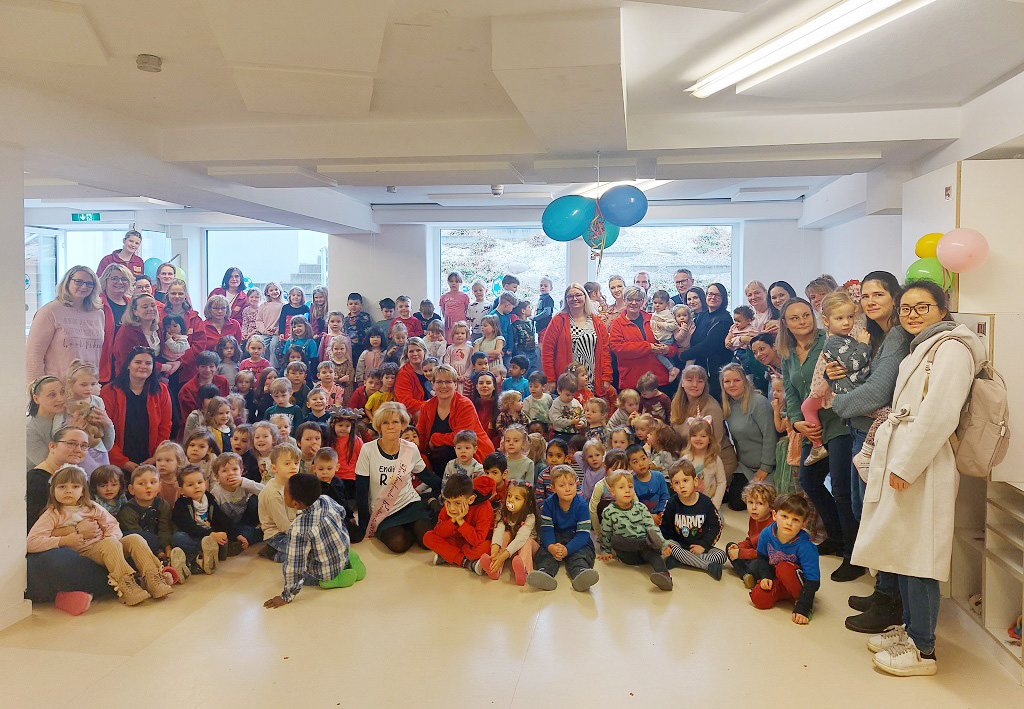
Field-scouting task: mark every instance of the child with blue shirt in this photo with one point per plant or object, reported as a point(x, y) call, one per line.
point(564, 536)
point(652, 490)
point(516, 379)
point(503, 311)
point(787, 560)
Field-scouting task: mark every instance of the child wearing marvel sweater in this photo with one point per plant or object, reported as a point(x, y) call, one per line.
point(759, 496)
point(691, 524)
point(787, 560)
point(72, 519)
point(564, 536)
point(628, 531)
point(463, 531)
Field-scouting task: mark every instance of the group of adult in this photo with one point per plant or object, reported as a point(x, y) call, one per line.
point(899, 521)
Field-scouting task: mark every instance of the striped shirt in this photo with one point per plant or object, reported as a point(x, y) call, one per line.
point(584, 346)
point(317, 546)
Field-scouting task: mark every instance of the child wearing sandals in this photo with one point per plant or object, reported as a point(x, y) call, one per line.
point(318, 552)
point(514, 535)
point(72, 519)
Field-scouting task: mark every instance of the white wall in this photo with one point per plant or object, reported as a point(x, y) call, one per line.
point(926, 209)
point(780, 251)
point(871, 243)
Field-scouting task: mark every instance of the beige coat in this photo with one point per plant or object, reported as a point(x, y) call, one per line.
point(910, 532)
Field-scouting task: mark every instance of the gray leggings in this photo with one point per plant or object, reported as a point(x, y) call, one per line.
point(685, 557)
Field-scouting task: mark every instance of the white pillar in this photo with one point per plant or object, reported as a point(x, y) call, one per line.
point(579, 267)
point(13, 606)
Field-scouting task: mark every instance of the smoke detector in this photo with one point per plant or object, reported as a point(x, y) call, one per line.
point(149, 62)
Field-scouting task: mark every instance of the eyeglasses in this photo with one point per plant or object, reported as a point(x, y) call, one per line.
point(83, 284)
point(73, 444)
point(712, 294)
point(218, 307)
point(634, 300)
point(920, 309)
point(119, 279)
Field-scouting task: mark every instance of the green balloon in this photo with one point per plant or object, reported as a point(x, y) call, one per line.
point(929, 269)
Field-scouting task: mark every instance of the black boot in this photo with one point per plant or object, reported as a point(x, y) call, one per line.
point(877, 618)
point(847, 572)
point(830, 547)
point(734, 494)
point(863, 603)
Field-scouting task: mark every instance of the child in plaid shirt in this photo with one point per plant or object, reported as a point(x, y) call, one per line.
point(318, 549)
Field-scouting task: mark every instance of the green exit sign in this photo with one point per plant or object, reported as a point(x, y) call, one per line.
point(85, 216)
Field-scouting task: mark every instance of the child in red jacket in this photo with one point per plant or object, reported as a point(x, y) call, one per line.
point(760, 498)
point(463, 531)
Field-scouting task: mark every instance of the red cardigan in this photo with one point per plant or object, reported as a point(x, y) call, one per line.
point(188, 395)
point(207, 336)
point(462, 418)
point(127, 338)
point(408, 390)
point(159, 407)
point(107, 352)
point(556, 353)
point(236, 307)
point(633, 350)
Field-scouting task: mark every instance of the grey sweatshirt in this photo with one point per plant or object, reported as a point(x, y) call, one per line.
point(754, 433)
point(878, 388)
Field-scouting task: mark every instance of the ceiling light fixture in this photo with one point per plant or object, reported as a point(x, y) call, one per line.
point(595, 190)
point(828, 27)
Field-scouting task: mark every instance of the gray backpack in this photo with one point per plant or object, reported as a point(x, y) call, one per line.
point(983, 435)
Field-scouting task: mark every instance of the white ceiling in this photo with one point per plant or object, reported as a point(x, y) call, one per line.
point(451, 96)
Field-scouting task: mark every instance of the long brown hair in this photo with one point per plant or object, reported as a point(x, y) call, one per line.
point(69, 474)
point(682, 407)
point(785, 343)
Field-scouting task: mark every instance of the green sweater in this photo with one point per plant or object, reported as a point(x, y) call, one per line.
point(155, 519)
point(796, 378)
point(633, 522)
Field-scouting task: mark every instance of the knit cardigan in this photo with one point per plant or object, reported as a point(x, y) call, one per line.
point(463, 417)
point(556, 353)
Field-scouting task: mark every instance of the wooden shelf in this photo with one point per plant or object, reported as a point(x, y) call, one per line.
point(1014, 509)
point(1011, 535)
point(973, 538)
point(1007, 565)
point(1000, 635)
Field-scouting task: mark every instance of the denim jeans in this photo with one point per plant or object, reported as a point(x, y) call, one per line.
point(279, 543)
point(833, 507)
point(190, 545)
point(63, 569)
point(857, 486)
point(920, 609)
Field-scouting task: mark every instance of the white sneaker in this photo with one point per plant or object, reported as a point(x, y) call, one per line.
point(438, 561)
point(904, 660)
point(893, 635)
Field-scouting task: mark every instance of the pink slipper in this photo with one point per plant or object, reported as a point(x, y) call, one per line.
point(519, 569)
point(485, 564)
point(171, 575)
point(73, 602)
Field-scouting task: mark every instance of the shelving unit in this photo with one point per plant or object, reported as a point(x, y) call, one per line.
point(1003, 570)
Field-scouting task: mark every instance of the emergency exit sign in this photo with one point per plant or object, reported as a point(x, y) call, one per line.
point(85, 216)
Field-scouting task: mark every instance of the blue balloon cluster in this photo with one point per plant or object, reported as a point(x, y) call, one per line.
point(597, 221)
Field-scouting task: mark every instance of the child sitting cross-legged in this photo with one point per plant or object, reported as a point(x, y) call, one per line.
point(691, 524)
point(148, 515)
point(463, 531)
point(325, 465)
point(759, 496)
point(205, 533)
point(237, 496)
point(275, 516)
point(281, 392)
point(557, 453)
point(628, 531)
point(464, 462)
point(564, 536)
point(72, 519)
point(317, 551)
point(651, 489)
point(514, 534)
point(787, 560)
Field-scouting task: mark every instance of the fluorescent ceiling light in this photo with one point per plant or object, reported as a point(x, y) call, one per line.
point(822, 27)
point(594, 190)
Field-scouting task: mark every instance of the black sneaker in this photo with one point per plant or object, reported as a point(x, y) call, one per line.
point(876, 619)
point(847, 572)
point(268, 552)
point(232, 548)
point(715, 570)
point(863, 603)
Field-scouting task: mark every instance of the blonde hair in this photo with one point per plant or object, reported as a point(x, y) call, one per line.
point(108, 272)
point(219, 299)
point(628, 396)
point(748, 389)
point(175, 448)
point(589, 309)
point(593, 443)
point(91, 301)
point(836, 299)
point(687, 309)
point(714, 449)
point(562, 471)
point(538, 447)
point(386, 411)
point(505, 400)
point(280, 292)
point(79, 367)
point(461, 325)
point(615, 476)
point(682, 407)
point(281, 385)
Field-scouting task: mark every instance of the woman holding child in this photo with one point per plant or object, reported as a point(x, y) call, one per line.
point(445, 415)
point(634, 344)
point(910, 498)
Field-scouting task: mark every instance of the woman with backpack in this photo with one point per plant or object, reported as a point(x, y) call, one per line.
point(907, 523)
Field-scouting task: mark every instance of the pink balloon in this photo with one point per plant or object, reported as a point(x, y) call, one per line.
point(962, 250)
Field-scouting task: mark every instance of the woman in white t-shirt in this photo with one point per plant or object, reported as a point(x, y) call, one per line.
point(389, 506)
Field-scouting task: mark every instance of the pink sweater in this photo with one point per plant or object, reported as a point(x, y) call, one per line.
point(40, 537)
point(267, 316)
point(61, 333)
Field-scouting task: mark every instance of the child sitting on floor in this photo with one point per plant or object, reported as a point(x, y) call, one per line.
point(702, 450)
point(787, 560)
point(275, 516)
point(537, 405)
point(237, 496)
point(691, 524)
point(515, 443)
point(628, 531)
point(627, 403)
point(759, 496)
point(464, 461)
point(564, 536)
point(514, 535)
point(650, 489)
point(665, 445)
point(318, 550)
point(557, 453)
point(206, 535)
point(463, 531)
point(146, 513)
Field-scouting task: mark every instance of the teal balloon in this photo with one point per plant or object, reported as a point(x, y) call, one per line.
point(568, 217)
point(624, 205)
point(150, 267)
point(929, 269)
point(611, 233)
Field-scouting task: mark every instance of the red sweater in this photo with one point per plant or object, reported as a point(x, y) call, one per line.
point(188, 397)
point(479, 521)
point(207, 336)
point(556, 354)
point(128, 337)
point(159, 407)
point(107, 353)
point(462, 418)
point(748, 547)
point(408, 390)
point(633, 350)
point(346, 465)
point(135, 264)
point(414, 326)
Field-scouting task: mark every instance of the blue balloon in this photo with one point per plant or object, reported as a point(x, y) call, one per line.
point(150, 267)
point(611, 233)
point(568, 217)
point(624, 205)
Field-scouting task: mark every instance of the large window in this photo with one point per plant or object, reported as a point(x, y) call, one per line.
point(87, 248)
point(290, 257)
point(663, 250)
point(486, 255)
point(40, 271)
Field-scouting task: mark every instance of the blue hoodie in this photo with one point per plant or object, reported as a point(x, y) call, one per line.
point(801, 552)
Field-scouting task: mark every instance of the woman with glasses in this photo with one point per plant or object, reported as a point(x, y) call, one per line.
point(69, 327)
point(139, 328)
point(115, 283)
point(140, 407)
point(707, 344)
point(634, 343)
point(232, 287)
point(218, 324)
point(445, 415)
point(576, 334)
point(909, 503)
